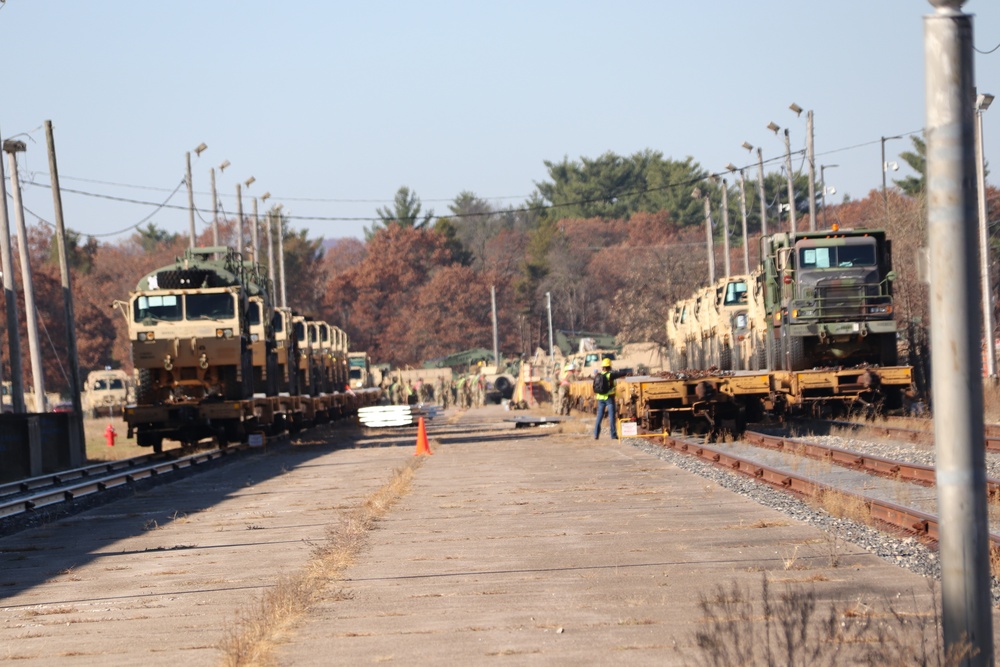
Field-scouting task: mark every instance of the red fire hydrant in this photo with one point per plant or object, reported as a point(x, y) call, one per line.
point(109, 435)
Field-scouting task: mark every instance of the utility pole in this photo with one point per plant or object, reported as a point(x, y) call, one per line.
point(885, 168)
point(30, 314)
point(982, 104)
point(955, 327)
point(281, 253)
point(763, 197)
point(709, 242)
point(187, 159)
point(743, 217)
point(552, 351)
point(10, 299)
point(496, 339)
point(78, 455)
point(791, 186)
point(725, 227)
point(811, 159)
point(254, 236)
point(239, 220)
point(215, 211)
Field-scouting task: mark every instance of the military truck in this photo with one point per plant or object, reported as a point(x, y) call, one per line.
point(106, 392)
point(828, 298)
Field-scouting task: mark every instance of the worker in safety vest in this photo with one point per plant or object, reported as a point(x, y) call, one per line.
point(606, 399)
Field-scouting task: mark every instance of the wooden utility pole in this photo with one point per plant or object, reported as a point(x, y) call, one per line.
point(725, 227)
point(254, 235)
point(10, 299)
point(12, 148)
point(239, 220)
point(78, 455)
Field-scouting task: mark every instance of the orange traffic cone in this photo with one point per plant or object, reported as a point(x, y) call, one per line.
point(422, 446)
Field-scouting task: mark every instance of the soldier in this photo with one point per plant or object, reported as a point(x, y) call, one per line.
point(563, 398)
point(480, 388)
point(439, 393)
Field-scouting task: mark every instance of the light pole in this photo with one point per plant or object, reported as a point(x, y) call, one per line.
point(197, 151)
point(552, 352)
point(215, 204)
point(885, 167)
point(774, 127)
point(760, 184)
point(822, 182)
point(710, 242)
point(811, 160)
point(743, 217)
point(281, 255)
point(983, 102)
point(270, 246)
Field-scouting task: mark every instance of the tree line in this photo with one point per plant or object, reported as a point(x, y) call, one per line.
point(615, 240)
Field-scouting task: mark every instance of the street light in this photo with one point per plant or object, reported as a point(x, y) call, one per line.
point(983, 102)
point(760, 183)
point(215, 204)
point(774, 127)
point(743, 216)
point(199, 149)
point(885, 167)
point(811, 160)
point(710, 241)
point(822, 181)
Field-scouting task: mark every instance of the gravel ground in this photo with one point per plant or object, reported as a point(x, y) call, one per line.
point(904, 552)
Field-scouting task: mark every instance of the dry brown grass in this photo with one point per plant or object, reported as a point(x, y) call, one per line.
point(844, 506)
point(260, 625)
point(791, 625)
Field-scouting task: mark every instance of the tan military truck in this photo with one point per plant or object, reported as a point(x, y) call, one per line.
point(106, 392)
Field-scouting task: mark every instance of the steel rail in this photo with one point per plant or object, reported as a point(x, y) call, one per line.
point(62, 477)
point(111, 479)
point(913, 435)
point(913, 521)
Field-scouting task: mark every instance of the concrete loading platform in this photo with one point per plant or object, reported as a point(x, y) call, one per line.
point(531, 545)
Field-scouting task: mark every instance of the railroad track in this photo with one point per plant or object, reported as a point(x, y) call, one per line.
point(735, 457)
point(907, 434)
point(46, 491)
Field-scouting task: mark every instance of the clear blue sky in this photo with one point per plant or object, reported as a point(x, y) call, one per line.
point(329, 103)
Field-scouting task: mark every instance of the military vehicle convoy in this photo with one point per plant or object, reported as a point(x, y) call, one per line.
point(817, 314)
point(214, 358)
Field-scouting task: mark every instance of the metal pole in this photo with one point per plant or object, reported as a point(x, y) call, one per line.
point(791, 186)
point(885, 196)
point(984, 241)
point(811, 158)
point(710, 241)
point(496, 340)
point(281, 257)
point(725, 227)
point(822, 179)
point(254, 236)
point(215, 212)
point(10, 300)
point(79, 456)
point(270, 250)
point(552, 351)
point(743, 217)
point(30, 313)
point(187, 159)
point(763, 197)
point(239, 221)
point(955, 361)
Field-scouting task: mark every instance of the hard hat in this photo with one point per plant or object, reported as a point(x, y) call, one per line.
point(606, 363)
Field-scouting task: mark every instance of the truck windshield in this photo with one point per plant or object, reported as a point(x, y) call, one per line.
point(253, 313)
point(166, 307)
point(736, 292)
point(840, 256)
point(210, 306)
